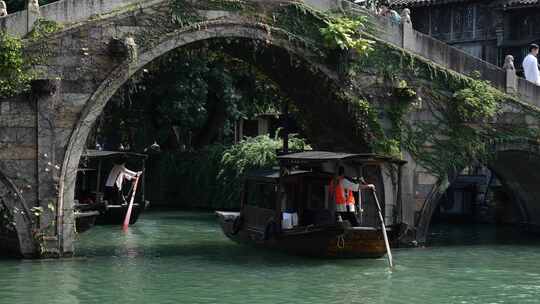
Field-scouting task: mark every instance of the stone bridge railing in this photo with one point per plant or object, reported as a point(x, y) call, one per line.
point(73, 11)
point(65, 11)
point(403, 35)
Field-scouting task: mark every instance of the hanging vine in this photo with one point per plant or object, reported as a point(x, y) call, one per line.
point(15, 76)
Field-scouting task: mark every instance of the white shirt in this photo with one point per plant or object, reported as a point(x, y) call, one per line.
point(117, 176)
point(530, 68)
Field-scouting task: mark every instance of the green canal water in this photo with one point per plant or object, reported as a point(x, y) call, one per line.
point(182, 257)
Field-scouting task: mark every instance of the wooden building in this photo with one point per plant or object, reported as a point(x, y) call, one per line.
point(488, 29)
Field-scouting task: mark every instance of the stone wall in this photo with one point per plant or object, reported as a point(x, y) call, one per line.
point(18, 183)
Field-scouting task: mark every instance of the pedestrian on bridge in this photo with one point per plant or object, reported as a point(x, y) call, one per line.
point(530, 65)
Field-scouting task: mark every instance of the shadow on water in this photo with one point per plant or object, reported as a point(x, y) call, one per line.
point(192, 217)
point(192, 236)
point(216, 253)
point(480, 234)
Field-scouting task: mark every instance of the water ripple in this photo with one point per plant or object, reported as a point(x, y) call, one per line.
point(182, 257)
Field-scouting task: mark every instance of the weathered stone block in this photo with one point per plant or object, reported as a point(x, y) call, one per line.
point(67, 117)
point(17, 152)
point(75, 99)
point(4, 107)
point(26, 136)
point(17, 121)
point(18, 135)
point(7, 135)
point(77, 87)
point(21, 106)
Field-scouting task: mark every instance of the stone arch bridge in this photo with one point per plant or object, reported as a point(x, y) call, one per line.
point(103, 43)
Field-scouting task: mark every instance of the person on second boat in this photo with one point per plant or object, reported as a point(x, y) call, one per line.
point(115, 181)
point(342, 192)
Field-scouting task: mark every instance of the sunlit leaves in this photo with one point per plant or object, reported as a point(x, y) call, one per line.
point(14, 77)
point(345, 34)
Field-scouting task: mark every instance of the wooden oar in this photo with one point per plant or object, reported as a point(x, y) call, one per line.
point(130, 207)
point(389, 253)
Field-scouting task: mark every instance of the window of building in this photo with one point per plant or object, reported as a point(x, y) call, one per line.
point(463, 22)
point(524, 25)
point(457, 23)
point(421, 20)
point(440, 24)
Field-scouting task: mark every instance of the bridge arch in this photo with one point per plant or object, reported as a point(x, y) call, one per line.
point(326, 89)
point(517, 166)
point(16, 237)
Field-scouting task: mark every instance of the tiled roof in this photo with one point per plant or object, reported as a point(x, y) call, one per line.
point(520, 2)
point(411, 3)
point(500, 3)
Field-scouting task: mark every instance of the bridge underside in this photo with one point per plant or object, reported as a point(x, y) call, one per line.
point(519, 171)
point(43, 133)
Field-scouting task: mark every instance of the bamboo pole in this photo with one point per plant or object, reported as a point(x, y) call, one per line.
point(389, 253)
point(130, 207)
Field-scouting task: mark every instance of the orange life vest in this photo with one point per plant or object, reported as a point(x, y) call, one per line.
point(350, 198)
point(336, 189)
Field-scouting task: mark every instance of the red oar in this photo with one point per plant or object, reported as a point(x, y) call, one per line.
point(130, 207)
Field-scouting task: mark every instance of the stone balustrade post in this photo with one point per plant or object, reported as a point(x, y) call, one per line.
point(511, 77)
point(32, 14)
point(511, 81)
point(407, 31)
point(3, 9)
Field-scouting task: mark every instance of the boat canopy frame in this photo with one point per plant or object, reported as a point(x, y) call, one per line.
point(101, 155)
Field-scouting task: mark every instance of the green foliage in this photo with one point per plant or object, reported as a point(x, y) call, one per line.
point(403, 92)
point(197, 94)
point(344, 33)
point(213, 177)
point(461, 133)
point(477, 101)
point(461, 107)
point(254, 152)
point(43, 28)
point(184, 13)
point(228, 5)
point(14, 75)
point(301, 23)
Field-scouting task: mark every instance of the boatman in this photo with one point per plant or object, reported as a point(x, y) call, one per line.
point(119, 173)
point(341, 190)
point(530, 65)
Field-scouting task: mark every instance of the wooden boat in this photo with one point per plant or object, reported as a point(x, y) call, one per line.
point(91, 177)
point(300, 188)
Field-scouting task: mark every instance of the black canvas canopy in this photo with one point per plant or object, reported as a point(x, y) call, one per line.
point(495, 3)
point(270, 174)
point(103, 154)
point(307, 157)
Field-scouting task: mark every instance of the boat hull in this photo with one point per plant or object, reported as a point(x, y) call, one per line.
point(337, 241)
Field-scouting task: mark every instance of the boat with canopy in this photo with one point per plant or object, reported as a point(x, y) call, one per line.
point(90, 193)
point(290, 208)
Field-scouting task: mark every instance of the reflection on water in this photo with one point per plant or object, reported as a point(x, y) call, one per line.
point(182, 257)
